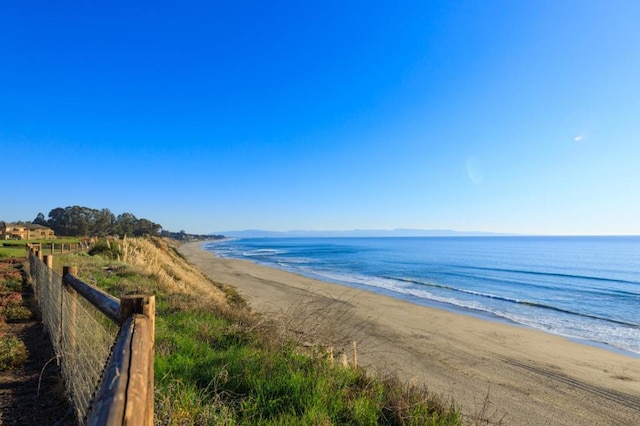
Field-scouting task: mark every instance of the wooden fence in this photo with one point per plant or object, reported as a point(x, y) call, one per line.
point(120, 391)
point(58, 247)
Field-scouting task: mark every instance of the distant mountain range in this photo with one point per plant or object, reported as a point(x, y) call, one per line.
point(256, 233)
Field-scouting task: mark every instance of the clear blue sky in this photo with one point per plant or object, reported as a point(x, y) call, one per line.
point(505, 116)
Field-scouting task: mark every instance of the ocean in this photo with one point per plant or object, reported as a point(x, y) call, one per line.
point(585, 288)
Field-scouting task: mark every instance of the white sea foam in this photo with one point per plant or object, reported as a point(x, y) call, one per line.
point(626, 338)
point(263, 252)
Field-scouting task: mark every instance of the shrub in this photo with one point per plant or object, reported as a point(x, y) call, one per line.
point(13, 353)
point(10, 299)
point(16, 313)
point(106, 248)
point(10, 275)
point(12, 285)
point(12, 308)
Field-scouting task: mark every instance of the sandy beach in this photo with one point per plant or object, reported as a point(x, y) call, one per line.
point(530, 377)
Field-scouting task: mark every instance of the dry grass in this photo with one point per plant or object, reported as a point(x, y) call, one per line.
point(323, 324)
point(160, 260)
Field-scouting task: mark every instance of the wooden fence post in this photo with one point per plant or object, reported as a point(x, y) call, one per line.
point(342, 359)
point(145, 305)
point(48, 259)
point(72, 313)
point(355, 355)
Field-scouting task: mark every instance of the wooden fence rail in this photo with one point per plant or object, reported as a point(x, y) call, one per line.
point(124, 395)
point(102, 301)
point(54, 247)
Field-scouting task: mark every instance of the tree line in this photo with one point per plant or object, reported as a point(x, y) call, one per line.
point(76, 221)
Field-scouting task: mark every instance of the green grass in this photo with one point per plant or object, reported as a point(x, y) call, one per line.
point(12, 250)
point(238, 378)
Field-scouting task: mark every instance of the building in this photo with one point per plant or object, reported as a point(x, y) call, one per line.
point(24, 231)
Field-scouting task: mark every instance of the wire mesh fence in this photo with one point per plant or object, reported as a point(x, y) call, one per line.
point(81, 335)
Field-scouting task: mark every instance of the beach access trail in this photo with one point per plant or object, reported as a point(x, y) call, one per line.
point(531, 377)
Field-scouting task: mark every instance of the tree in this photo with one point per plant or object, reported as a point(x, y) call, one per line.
point(103, 223)
point(57, 220)
point(40, 220)
point(77, 221)
point(126, 224)
point(146, 227)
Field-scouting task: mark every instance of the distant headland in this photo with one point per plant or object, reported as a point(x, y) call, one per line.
point(401, 232)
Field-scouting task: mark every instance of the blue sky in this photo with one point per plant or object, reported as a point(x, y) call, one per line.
point(502, 116)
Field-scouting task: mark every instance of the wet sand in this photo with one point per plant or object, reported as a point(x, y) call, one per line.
point(530, 377)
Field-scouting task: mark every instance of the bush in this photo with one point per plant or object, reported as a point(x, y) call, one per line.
point(13, 353)
point(12, 308)
point(10, 275)
point(106, 248)
point(16, 313)
point(10, 299)
point(11, 286)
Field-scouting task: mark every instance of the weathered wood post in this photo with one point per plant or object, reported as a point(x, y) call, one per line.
point(342, 360)
point(355, 355)
point(71, 313)
point(138, 304)
point(48, 260)
point(129, 307)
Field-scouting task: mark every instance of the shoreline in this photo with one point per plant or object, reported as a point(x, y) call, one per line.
point(531, 377)
point(456, 309)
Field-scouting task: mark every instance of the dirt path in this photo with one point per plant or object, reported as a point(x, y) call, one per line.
point(26, 396)
point(33, 394)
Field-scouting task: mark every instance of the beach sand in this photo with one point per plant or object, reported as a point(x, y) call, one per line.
point(530, 377)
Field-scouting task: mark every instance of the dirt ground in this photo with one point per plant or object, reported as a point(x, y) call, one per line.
point(34, 394)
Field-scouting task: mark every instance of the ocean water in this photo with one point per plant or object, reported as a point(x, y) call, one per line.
point(586, 288)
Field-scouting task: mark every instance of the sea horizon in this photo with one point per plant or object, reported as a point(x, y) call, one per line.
point(391, 233)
